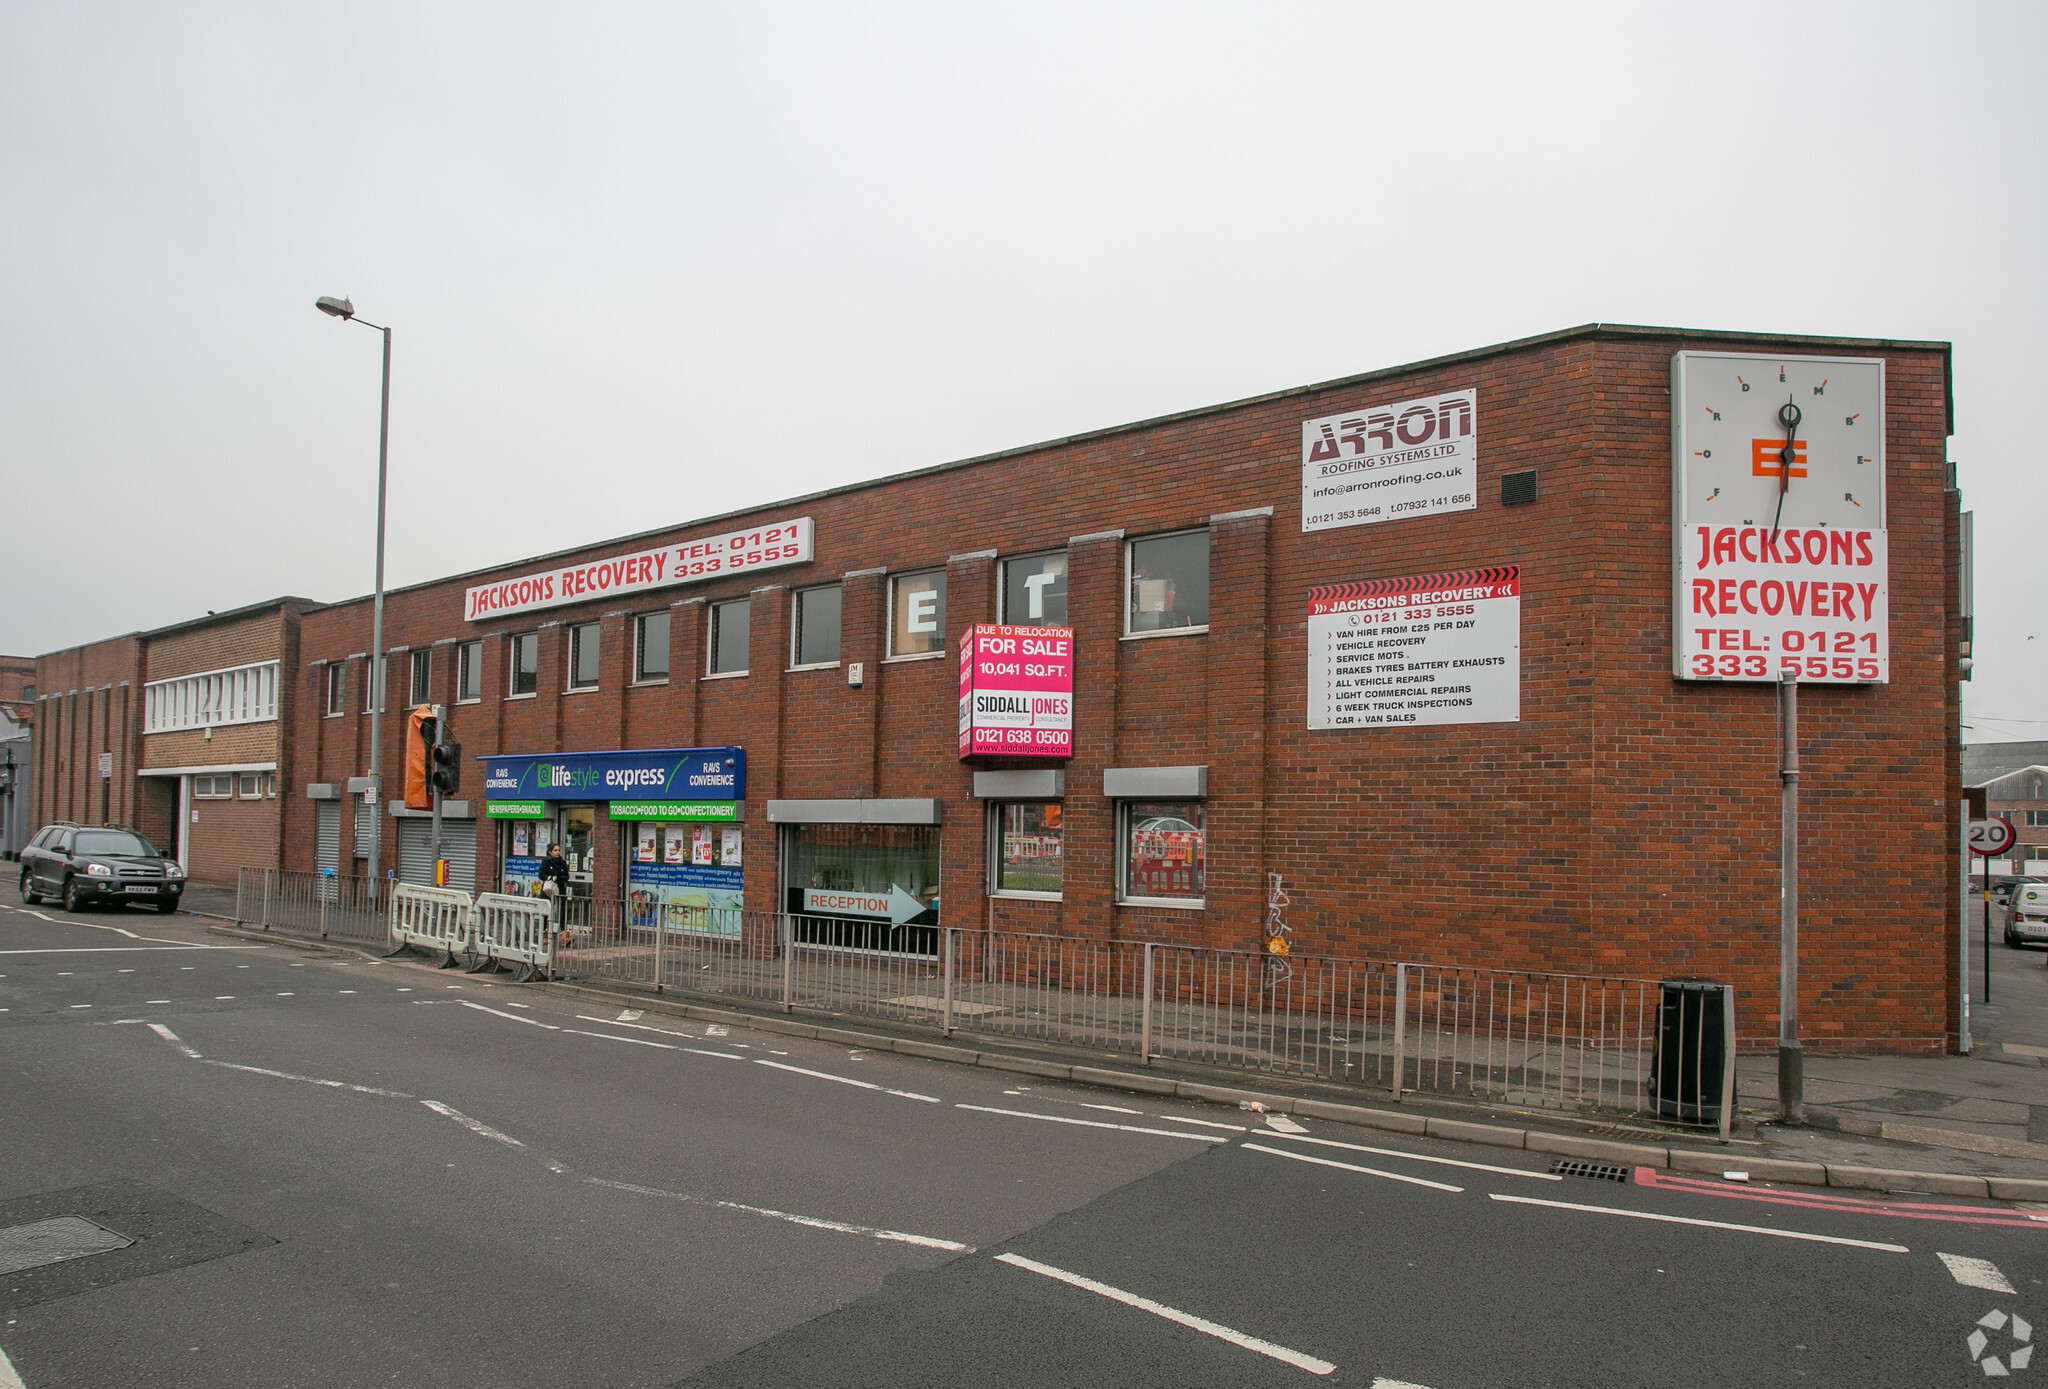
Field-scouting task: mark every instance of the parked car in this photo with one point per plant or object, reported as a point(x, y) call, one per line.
point(89, 865)
point(2002, 889)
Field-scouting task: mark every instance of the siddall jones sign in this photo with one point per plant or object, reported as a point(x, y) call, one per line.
point(690, 561)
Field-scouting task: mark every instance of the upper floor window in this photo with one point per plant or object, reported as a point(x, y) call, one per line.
point(583, 656)
point(816, 639)
point(337, 689)
point(1169, 583)
point(525, 663)
point(469, 660)
point(650, 647)
point(378, 681)
point(422, 682)
point(246, 694)
point(1035, 590)
point(917, 613)
point(2037, 818)
point(730, 632)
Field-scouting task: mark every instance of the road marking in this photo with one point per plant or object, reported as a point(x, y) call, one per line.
point(1351, 1167)
point(1707, 1224)
point(626, 1015)
point(81, 1005)
point(287, 995)
point(1205, 1123)
point(1112, 1108)
point(699, 1051)
point(1976, 1273)
point(348, 991)
point(1420, 1157)
point(510, 1017)
point(309, 1080)
point(8, 1378)
point(127, 949)
point(1172, 1314)
point(607, 1037)
point(478, 1126)
point(1091, 1123)
point(223, 998)
point(1280, 1123)
point(636, 1026)
point(156, 1000)
point(812, 1222)
point(1847, 1204)
point(848, 1080)
point(169, 1036)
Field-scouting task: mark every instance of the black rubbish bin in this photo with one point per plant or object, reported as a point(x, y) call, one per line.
point(1693, 1074)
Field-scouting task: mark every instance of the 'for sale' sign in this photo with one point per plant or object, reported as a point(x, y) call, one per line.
point(1016, 691)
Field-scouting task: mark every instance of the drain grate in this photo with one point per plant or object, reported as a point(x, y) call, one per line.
point(53, 1241)
point(1598, 1171)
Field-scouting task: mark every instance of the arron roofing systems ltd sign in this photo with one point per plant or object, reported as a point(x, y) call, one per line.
point(1016, 691)
point(688, 562)
point(656, 774)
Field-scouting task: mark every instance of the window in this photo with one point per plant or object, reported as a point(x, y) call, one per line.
point(2037, 819)
point(422, 678)
point(123, 842)
point(270, 784)
point(245, 694)
point(382, 662)
point(250, 785)
point(337, 689)
point(583, 656)
point(828, 864)
point(650, 647)
point(469, 674)
point(817, 627)
point(1035, 590)
point(213, 787)
point(1027, 850)
point(1161, 852)
point(1169, 589)
point(917, 614)
point(729, 631)
point(525, 663)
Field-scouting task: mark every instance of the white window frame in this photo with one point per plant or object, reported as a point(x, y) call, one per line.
point(336, 693)
point(211, 699)
point(995, 851)
point(376, 675)
point(796, 627)
point(1130, 549)
point(895, 595)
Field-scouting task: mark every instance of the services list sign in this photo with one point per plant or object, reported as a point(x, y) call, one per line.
point(1016, 691)
point(1390, 462)
point(1409, 652)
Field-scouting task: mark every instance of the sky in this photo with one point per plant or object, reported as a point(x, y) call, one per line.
point(645, 263)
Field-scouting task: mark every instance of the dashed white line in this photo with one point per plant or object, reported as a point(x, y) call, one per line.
point(812, 1222)
point(127, 949)
point(310, 1080)
point(169, 1036)
point(1708, 1224)
point(1351, 1167)
point(699, 1051)
point(478, 1126)
point(8, 1378)
point(510, 1017)
point(1112, 1108)
point(1204, 1123)
point(607, 1037)
point(1422, 1157)
point(1091, 1123)
point(846, 1080)
point(1173, 1314)
point(1976, 1273)
point(636, 1026)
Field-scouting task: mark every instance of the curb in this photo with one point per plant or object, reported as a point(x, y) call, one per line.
point(1706, 1161)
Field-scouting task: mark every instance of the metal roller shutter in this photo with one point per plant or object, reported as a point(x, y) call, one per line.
point(416, 858)
point(327, 835)
point(366, 827)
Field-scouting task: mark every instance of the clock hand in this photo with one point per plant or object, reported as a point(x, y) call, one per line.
point(1788, 416)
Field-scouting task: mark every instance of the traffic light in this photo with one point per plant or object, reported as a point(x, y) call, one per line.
point(421, 728)
point(447, 773)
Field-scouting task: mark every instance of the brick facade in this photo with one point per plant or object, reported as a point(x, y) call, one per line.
point(1626, 825)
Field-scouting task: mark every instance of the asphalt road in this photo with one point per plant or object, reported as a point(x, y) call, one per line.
point(337, 1172)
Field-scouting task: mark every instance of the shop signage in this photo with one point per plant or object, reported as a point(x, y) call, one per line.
point(674, 810)
point(894, 905)
point(1780, 554)
point(691, 561)
point(680, 774)
point(515, 810)
point(1016, 691)
point(1390, 462)
point(1408, 652)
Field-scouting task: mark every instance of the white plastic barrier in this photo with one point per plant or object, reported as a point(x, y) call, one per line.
point(431, 918)
point(515, 930)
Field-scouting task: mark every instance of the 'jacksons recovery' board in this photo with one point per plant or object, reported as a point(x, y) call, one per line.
point(1425, 649)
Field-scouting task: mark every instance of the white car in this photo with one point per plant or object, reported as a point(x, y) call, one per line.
point(2027, 918)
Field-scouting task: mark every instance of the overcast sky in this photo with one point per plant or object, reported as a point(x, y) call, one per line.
point(648, 263)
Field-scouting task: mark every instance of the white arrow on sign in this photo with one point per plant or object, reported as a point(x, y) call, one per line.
point(902, 906)
point(1988, 837)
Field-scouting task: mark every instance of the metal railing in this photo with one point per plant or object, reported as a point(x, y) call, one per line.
point(317, 906)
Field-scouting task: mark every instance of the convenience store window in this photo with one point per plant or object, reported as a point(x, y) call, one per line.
point(843, 882)
point(1162, 852)
point(1035, 590)
point(917, 613)
point(1168, 589)
point(1027, 849)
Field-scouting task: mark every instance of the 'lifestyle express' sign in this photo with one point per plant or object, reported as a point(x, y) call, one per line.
point(690, 561)
point(1016, 691)
point(658, 774)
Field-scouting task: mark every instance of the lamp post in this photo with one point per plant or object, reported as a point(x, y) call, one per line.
point(345, 311)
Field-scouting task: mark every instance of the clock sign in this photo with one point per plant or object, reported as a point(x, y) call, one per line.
point(1779, 560)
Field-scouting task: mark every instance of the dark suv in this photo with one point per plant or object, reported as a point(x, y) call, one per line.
point(83, 865)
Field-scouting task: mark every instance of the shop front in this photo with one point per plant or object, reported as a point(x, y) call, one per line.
point(659, 829)
point(861, 874)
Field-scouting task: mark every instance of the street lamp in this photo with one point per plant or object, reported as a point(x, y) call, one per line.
point(344, 310)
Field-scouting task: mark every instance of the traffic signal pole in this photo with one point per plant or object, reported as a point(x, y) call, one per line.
point(1791, 1060)
point(440, 736)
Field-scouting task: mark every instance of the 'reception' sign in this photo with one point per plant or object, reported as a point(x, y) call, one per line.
point(690, 561)
point(1390, 462)
point(1409, 652)
point(1016, 691)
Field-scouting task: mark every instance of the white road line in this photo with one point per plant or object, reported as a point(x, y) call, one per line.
point(156, 1000)
point(1976, 1273)
point(812, 1222)
point(126, 949)
point(1205, 1123)
point(169, 1036)
point(1091, 1123)
point(607, 1037)
point(1112, 1108)
point(513, 1017)
point(1172, 1314)
point(636, 1026)
point(478, 1126)
point(699, 1051)
point(1419, 1157)
point(1351, 1167)
point(1395, 1384)
point(8, 1378)
point(309, 1080)
point(1708, 1224)
point(846, 1080)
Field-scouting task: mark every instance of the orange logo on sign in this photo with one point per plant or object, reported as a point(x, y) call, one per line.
point(1764, 457)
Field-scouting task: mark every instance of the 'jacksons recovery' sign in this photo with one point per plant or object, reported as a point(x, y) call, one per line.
point(659, 774)
point(763, 547)
point(1017, 691)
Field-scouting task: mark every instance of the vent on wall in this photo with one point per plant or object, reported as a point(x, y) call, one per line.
point(1518, 489)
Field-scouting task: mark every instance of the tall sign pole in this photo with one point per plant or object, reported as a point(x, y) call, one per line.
point(1791, 1061)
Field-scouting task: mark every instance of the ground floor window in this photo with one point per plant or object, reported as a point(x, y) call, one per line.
point(522, 844)
point(1027, 848)
point(687, 877)
point(864, 887)
point(1162, 851)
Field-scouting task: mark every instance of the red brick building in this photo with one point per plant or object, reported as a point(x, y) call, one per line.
point(1599, 815)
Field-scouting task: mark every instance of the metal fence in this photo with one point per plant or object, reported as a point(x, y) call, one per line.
point(1557, 1041)
point(316, 906)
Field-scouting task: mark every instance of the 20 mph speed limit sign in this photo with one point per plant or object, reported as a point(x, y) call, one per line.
point(1988, 837)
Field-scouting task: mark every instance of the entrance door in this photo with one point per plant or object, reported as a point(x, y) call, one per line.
point(579, 846)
